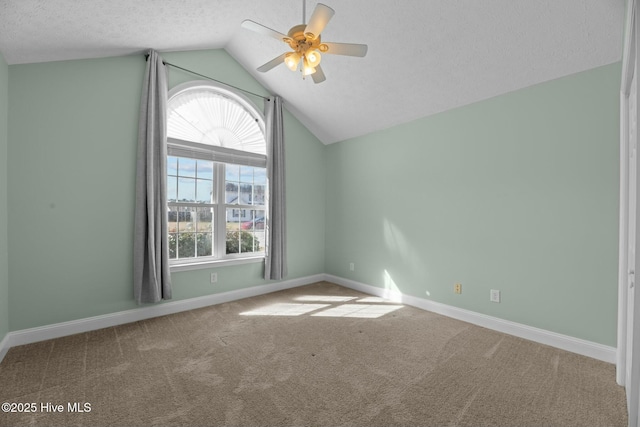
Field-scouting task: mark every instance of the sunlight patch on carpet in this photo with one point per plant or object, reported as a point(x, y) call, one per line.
point(284, 309)
point(324, 298)
point(341, 307)
point(358, 310)
point(372, 299)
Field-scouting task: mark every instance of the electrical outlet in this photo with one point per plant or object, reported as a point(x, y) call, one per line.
point(494, 296)
point(457, 288)
point(214, 277)
point(352, 266)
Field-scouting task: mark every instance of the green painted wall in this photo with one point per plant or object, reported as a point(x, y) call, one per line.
point(72, 145)
point(4, 265)
point(517, 193)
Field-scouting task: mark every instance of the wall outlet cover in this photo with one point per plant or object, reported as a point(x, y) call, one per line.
point(494, 296)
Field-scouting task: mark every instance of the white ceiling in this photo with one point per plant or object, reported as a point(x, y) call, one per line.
point(425, 56)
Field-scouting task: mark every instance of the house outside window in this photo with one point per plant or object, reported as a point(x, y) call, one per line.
point(216, 176)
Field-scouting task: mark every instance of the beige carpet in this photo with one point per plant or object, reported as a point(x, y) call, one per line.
point(319, 355)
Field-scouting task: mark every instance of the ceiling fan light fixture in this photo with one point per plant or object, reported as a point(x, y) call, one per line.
point(313, 58)
point(307, 69)
point(292, 59)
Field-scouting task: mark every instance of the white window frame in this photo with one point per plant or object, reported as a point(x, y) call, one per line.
point(220, 156)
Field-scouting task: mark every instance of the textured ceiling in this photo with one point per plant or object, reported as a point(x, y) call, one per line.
point(425, 56)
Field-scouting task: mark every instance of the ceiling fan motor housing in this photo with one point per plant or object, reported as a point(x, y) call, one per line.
point(301, 42)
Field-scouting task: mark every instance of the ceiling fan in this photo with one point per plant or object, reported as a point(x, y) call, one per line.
point(306, 44)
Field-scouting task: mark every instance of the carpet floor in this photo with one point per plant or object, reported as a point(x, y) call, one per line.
point(317, 355)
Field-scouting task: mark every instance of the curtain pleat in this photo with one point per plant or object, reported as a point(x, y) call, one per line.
point(275, 267)
point(151, 277)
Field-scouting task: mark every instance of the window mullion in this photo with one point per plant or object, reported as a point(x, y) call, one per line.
point(220, 231)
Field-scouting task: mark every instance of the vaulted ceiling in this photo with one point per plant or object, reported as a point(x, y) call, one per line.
point(425, 56)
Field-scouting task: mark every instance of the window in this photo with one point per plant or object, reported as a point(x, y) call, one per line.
point(216, 176)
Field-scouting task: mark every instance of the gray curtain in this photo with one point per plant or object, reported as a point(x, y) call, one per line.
point(275, 267)
point(151, 279)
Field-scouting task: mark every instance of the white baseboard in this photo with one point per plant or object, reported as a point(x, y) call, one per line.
point(564, 342)
point(4, 346)
point(57, 330)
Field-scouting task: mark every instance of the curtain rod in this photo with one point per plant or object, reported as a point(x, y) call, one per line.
point(209, 78)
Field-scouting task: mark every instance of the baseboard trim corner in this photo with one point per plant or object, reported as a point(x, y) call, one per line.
point(57, 330)
point(4, 347)
point(553, 339)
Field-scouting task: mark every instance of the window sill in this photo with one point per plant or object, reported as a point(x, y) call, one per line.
point(214, 264)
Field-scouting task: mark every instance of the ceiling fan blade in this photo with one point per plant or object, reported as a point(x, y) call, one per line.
point(261, 29)
point(318, 76)
point(349, 49)
point(320, 17)
point(272, 64)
